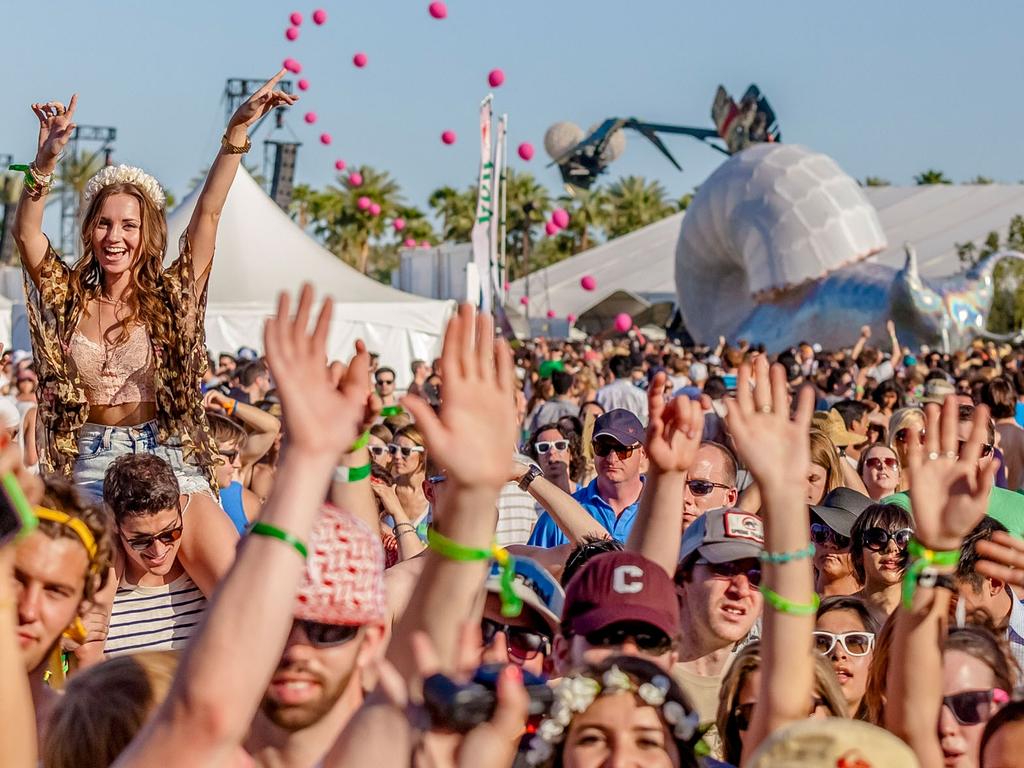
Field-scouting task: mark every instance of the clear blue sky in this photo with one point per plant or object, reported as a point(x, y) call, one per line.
point(886, 88)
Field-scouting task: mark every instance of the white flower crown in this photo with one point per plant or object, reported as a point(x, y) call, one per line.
point(574, 695)
point(125, 174)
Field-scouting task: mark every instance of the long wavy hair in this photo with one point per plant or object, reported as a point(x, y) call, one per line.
point(825, 455)
point(144, 302)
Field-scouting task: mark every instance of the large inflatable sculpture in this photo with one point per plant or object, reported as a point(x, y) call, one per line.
point(776, 248)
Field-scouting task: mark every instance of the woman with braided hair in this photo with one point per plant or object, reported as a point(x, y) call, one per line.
point(118, 340)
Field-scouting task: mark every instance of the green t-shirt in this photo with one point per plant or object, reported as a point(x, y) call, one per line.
point(1007, 507)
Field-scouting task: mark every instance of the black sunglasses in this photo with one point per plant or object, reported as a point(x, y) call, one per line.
point(385, 381)
point(602, 449)
point(822, 534)
point(649, 640)
point(327, 635)
point(703, 487)
point(973, 707)
point(731, 569)
point(877, 539)
point(142, 543)
point(523, 643)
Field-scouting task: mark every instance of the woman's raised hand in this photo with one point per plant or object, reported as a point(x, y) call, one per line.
point(261, 102)
point(55, 129)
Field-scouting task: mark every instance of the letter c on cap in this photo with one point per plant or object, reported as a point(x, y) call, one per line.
point(628, 579)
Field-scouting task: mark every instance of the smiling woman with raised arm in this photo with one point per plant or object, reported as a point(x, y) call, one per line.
point(118, 340)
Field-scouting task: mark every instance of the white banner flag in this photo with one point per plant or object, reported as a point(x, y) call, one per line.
point(496, 233)
point(481, 235)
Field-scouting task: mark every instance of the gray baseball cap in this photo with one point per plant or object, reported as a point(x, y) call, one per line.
point(723, 535)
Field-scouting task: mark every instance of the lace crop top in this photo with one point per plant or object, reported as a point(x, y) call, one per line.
point(116, 374)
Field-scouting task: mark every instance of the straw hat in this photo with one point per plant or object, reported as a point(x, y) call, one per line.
point(832, 424)
point(833, 743)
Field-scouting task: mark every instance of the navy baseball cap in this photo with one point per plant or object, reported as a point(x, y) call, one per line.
point(621, 425)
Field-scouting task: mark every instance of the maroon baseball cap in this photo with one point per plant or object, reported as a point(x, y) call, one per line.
point(617, 587)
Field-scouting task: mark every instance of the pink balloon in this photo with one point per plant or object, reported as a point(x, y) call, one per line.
point(551, 314)
point(339, 165)
point(438, 10)
point(292, 66)
point(375, 209)
point(495, 78)
point(588, 283)
point(325, 138)
point(319, 16)
point(292, 33)
point(524, 300)
point(410, 242)
point(623, 322)
point(355, 178)
point(310, 117)
point(364, 203)
point(571, 318)
point(526, 151)
point(303, 84)
point(360, 60)
point(295, 18)
point(561, 218)
point(448, 137)
point(550, 229)
point(398, 224)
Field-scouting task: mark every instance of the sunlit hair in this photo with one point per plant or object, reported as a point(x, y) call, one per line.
point(104, 707)
point(410, 433)
point(144, 302)
point(826, 687)
point(873, 704)
point(226, 432)
point(825, 455)
point(902, 419)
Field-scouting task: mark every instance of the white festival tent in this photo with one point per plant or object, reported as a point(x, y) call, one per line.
point(261, 252)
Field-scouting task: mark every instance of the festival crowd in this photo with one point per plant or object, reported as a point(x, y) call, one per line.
point(618, 552)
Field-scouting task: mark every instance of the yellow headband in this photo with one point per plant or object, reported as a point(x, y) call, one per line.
point(76, 525)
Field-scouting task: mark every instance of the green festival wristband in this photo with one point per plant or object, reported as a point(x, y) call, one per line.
point(265, 529)
point(785, 557)
point(30, 180)
point(923, 557)
point(390, 410)
point(361, 442)
point(782, 605)
point(511, 603)
point(352, 474)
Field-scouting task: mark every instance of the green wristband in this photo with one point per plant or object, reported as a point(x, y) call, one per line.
point(782, 605)
point(933, 557)
point(785, 557)
point(265, 529)
point(452, 550)
point(30, 180)
point(390, 410)
point(511, 603)
point(361, 442)
point(352, 474)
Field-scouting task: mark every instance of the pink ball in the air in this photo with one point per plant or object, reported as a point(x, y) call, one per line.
point(495, 78)
point(319, 16)
point(310, 117)
point(292, 33)
point(438, 10)
point(570, 318)
point(425, 244)
point(623, 322)
point(398, 224)
point(295, 18)
point(303, 84)
point(448, 137)
point(526, 151)
point(339, 165)
point(359, 60)
point(325, 138)
point(364, 203)
point(375, 209)
point(550, 229)
point(561, 218)
point(588, 283)
point(292, 66)
point(524, 300)
point(355, 178)
point(410, 242)
point(551, 314)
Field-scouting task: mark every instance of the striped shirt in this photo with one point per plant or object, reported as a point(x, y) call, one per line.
point(159, 618)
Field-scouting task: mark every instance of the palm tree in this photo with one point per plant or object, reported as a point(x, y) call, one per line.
point(981, 180)
point(634, 202)
point(875, 181)
point(457, 210)
point(10, 191)
point(931, 176)
point(527, 205)
point(588, 213)
point(72, 176)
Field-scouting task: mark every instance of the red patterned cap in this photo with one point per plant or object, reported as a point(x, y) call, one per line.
point(344, 581)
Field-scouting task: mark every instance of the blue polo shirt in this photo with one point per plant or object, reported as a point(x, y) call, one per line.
point(546, 532)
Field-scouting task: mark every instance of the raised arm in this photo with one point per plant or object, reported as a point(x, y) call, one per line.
point(673, 439)
point(265, 426)
point(202, 229)
point(568, 514)
point(55, 129)
point(897, 352)
point(777, 452)
point(224, 671)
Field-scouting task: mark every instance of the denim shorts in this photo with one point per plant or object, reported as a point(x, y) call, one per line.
point(99, 445)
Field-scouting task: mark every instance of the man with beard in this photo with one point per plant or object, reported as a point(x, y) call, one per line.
point(338, 629)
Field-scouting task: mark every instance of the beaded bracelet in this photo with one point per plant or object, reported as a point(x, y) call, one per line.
point(511, 603)
point(922, 558)
point(785, 557)
point(265, 529)
point(782, 605)
point(352, 474)
point(410, 526)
